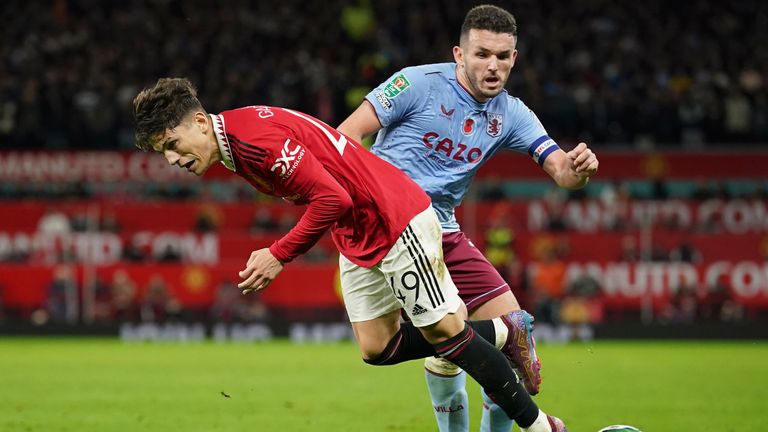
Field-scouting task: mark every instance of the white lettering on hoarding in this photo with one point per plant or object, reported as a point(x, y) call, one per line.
point(733, 216)
point(748, 279)
point(107, 248)
point(87, 166)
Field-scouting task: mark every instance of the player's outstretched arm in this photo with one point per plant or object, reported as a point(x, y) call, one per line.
point(307, 182)
point(572, 170)
point(361, 123)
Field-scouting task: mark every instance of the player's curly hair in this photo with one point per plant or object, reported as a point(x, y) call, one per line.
point(489, 17)
point(162, 107)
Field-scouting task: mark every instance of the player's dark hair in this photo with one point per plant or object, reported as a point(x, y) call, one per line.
point(162, 107)
point(491, 18)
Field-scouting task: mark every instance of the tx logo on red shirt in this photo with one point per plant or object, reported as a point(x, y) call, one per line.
point(288, 161)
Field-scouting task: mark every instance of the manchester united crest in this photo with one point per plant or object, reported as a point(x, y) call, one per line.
point(495, 122)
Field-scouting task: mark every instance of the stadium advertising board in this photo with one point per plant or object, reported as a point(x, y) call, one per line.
point(26, 287)
point(115, 166)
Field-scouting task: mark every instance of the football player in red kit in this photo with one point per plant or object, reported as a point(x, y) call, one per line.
point(382, 223)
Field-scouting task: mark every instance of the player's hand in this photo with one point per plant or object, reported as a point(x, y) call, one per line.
point(583, 162)
point(262, 268)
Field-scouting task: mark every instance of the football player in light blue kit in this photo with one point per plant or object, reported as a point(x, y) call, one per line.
point(439, 123)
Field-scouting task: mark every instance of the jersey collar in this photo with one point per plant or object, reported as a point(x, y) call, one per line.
point(222, 141)
point(466, 96)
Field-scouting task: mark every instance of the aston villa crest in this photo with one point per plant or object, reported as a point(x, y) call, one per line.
point(494, 124)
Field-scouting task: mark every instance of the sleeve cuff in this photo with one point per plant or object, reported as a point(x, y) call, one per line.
point(277, 252)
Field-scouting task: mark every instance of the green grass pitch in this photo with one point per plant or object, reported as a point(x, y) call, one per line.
point(102, 385)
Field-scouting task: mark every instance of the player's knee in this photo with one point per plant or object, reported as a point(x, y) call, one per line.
point(371, 357)
point(374, 358)
point(446, 328)
point(371, 351)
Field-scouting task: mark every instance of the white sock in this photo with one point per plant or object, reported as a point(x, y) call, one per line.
point(502, 332)
point(540, 425)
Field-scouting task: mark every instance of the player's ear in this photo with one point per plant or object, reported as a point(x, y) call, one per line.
point(458, 56)
point(202, 121)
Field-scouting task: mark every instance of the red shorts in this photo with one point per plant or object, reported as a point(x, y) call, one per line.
point(475, 277)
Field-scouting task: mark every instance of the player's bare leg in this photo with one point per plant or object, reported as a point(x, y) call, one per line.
point(496, 307)
point(372, 336)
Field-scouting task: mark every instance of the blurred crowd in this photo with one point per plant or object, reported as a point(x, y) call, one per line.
point(615, 73)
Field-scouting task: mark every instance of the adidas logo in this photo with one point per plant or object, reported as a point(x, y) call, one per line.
point(418, 310)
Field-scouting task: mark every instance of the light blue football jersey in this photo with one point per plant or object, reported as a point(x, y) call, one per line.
point(439, 135)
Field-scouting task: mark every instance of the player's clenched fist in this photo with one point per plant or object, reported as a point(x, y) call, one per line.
point(262, 268)
point(583, 161)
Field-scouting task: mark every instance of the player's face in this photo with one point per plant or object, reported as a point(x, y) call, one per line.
point(484, 61)
point(190, 145)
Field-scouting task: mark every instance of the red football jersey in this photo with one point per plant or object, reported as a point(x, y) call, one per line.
point(365, 201)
